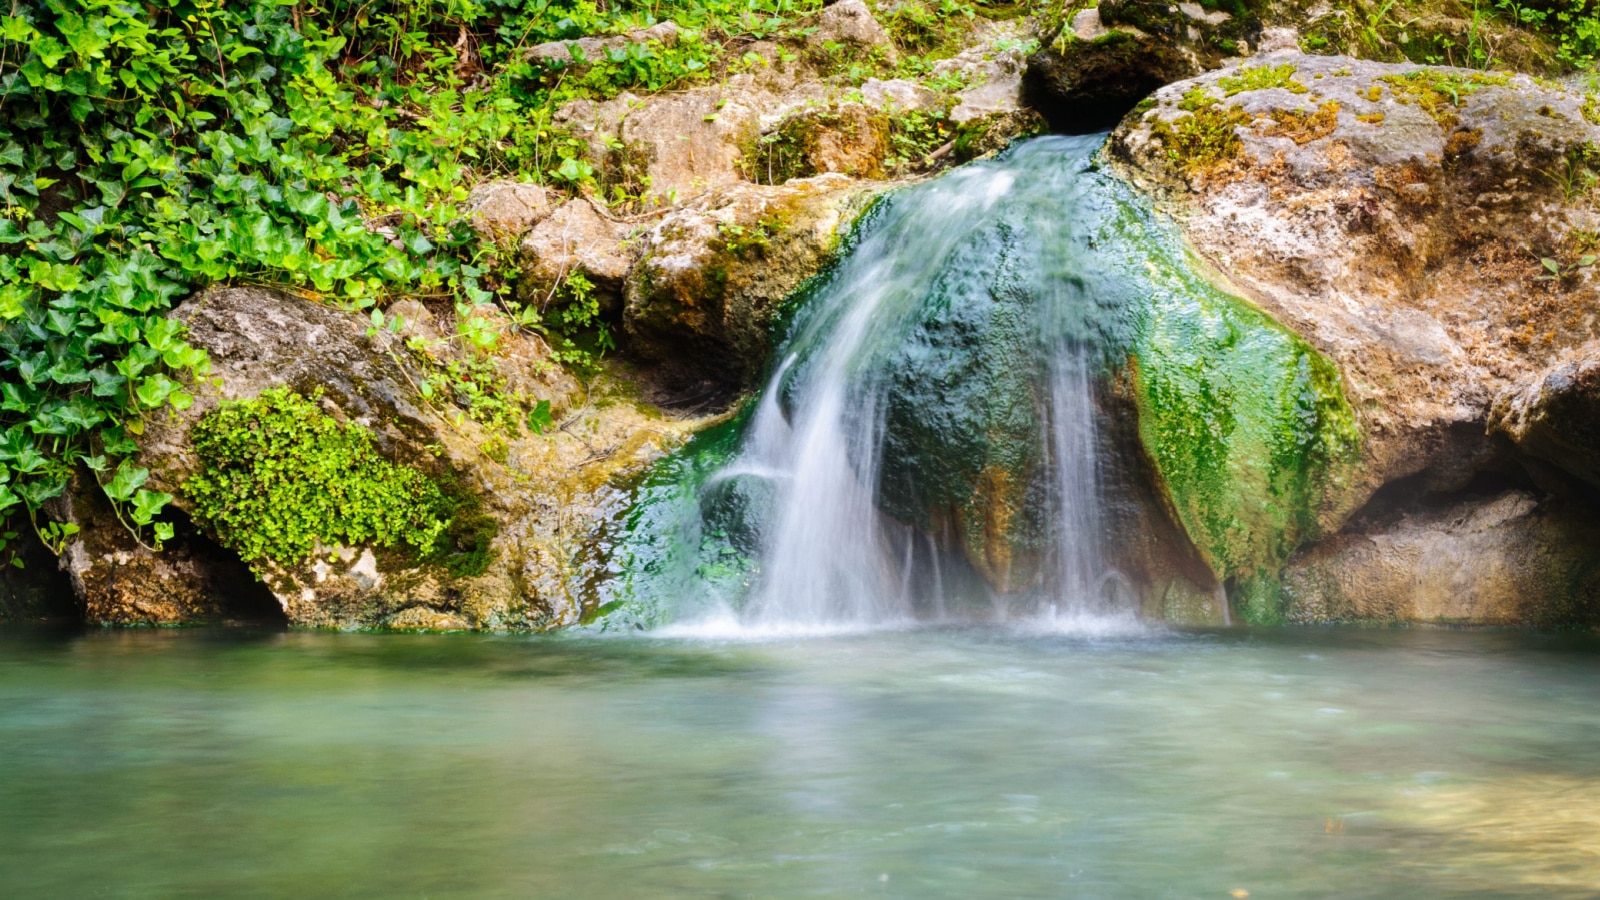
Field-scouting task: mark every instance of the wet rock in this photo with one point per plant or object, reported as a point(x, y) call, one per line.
point(961, 455)
point(505, 210)
point(715, 272)
point(1555, 415)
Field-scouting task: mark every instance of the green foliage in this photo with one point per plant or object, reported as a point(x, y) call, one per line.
point(1547, 36)
point(1574, 25)
point(927, 26)
point(148, 150)
point(279, 477)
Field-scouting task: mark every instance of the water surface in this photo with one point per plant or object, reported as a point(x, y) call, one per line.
point(956, 762)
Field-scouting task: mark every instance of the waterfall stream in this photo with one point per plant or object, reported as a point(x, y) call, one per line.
point(1015, 396)
point(836, 478)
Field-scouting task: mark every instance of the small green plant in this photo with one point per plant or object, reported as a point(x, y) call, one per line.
point(278, 477)
point(1557, 271)
point(1577, 176)
point(1440, 94)
point(744, 241)
point(1206, 137)
point(1260, 78)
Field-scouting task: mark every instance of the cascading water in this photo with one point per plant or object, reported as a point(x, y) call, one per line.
point(837, 475)
point(1015, 396)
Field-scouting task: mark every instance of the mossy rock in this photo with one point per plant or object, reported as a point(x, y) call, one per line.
point(1247, 425)
point(961, 451)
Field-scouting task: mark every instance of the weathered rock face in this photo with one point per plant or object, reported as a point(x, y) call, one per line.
point(675, 147)
point(1399, 232)
point(1554, 417)
point(714, 273)
point(1510, 558)
point(535, 508)
point(577, 237)
point(1397, 219)
point(1096, 65)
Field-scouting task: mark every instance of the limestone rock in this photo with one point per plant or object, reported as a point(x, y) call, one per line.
point(898, 94)
point(576, 237)
point(715, 271)
point(591, 48)
point(540, 498)
point(1394, 216)
point(1504, 559)
point(507, 209)
point(1555, 415)
point(993, 77)
point(851, 23)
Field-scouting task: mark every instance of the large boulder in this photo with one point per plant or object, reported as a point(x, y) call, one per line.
point(525, 506)
point(1409, 224)
point(1396, 217)
point(714, 273)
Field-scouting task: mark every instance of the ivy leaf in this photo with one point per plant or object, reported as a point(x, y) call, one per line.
point(125, 482)
point(539, 418)
point(147, 505)
point(154, 391)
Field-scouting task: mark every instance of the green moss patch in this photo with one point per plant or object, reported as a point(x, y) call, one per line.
point(1205, 138)
point(1439, 93)
point(1246, 423)
point(1260, 78)
point(279, 476)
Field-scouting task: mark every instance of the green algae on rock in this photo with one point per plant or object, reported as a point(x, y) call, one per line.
point(1246, 423)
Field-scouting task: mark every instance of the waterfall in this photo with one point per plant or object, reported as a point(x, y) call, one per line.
point(932, 416)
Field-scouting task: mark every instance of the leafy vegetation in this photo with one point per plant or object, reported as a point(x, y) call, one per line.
point(147, 150)
point(279, 477)
point(1548, 36)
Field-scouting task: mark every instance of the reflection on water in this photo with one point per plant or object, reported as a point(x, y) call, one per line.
point(917, 763)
